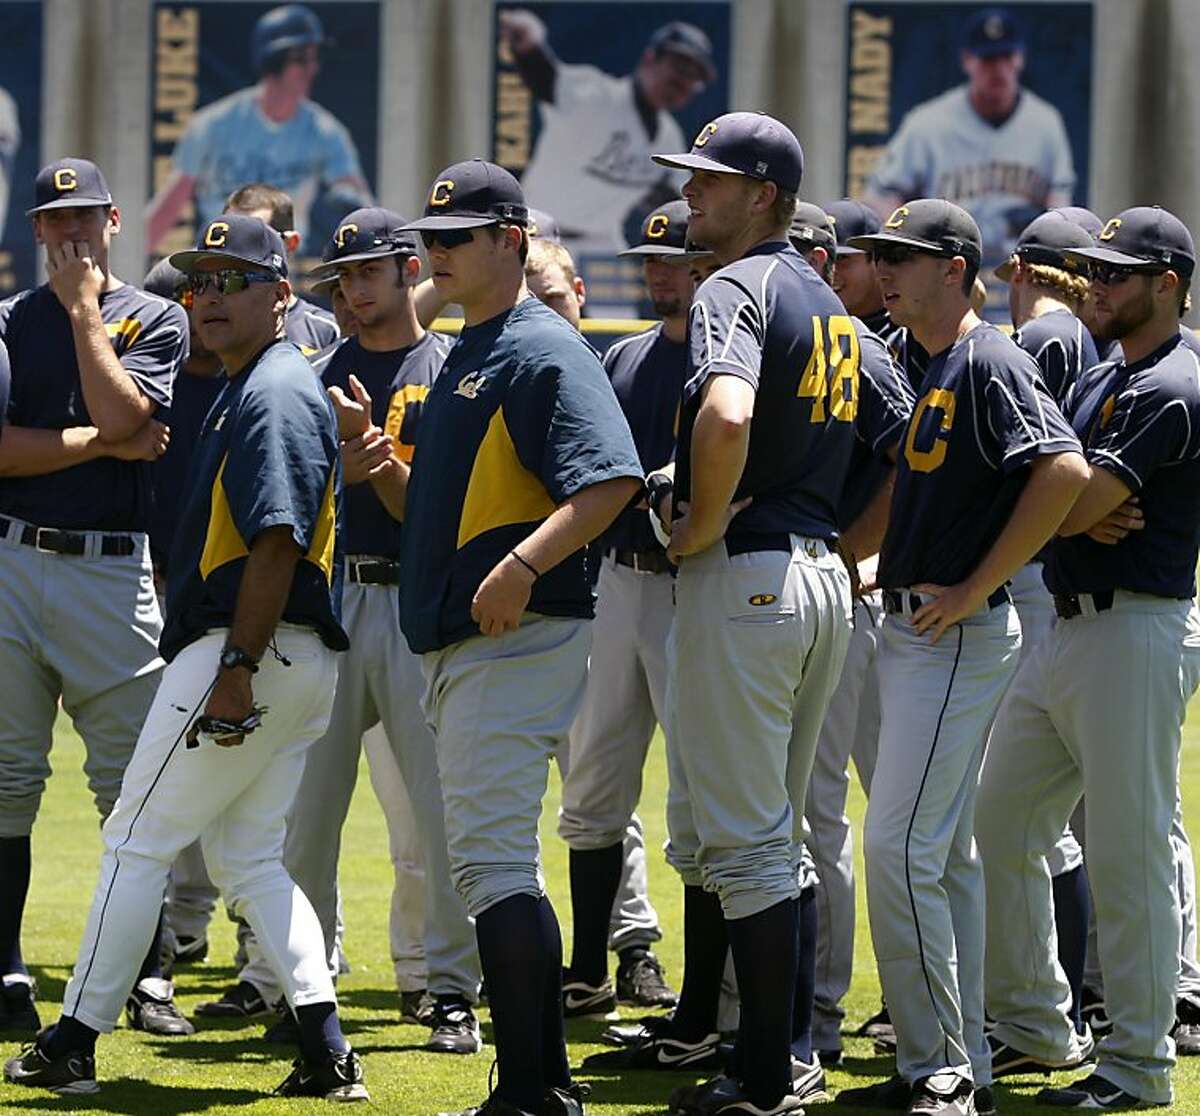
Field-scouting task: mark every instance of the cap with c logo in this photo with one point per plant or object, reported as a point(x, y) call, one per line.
point(1144, 238)
point(470, 195)
point(364, 234)
point(68, 183)
point(749, 143)
point(931, 225)
point(236, 238)
point(664, 231)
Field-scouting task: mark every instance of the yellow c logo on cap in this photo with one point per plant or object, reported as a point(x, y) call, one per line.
point(214, 235)
point(701, 139)
point(65, 179)
point(1110, 230)
point(897, 218)
point(441, 192)
point(656, 227)
point(345, 233)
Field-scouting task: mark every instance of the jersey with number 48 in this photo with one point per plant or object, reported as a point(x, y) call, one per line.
point(770, 320)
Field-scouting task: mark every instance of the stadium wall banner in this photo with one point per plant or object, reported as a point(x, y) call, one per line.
point(988, 106)
point(20, 139)
point(583, 92)
point(254, 92)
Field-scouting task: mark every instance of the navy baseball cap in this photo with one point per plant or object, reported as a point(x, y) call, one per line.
point(664, 231)
point(1044, 241)
point(931, 225)
point(67, 183)
point(689, 41)
point(812, 228)
point(285, 28)
point(851, 218)
point(993, 32)
point(1146, 238)
point(749, 143)
point(543, 226)
point(470, 195)
point(365, 234)
point(236, 238)
point(1084, 218)
point(165, 280)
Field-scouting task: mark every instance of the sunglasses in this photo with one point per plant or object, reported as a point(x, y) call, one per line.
point(896, 253)
point(447, 238)
point(228, 280)
point(1112, 275)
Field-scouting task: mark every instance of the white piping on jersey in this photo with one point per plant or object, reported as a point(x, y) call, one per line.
point(650, 334)
point(702, 371)
point(1118, 459)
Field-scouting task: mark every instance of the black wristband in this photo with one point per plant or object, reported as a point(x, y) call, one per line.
point(527, 565)
point(234, 657)
point(657, 487)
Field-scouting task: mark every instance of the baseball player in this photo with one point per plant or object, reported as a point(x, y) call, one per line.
point(989, 469)
point(254, 569)
point(379, 381)
point(522, 458)
point(633, 921)
point(1108, 726)
point(93, 359)
point(991, 145)
point(851, 725)
point(269, 132)
point(762, 598)
point(625, 695)
point(591, 165)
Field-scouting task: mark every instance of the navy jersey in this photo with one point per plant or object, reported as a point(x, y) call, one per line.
point(267, 457)
point(1062, 347)
point(521, 418)
point(150, 337)
point(770, 320)
point(309, 328)
point(1141, 422)
point(885, 403)
point(982, 416)
point(906, 350)
point(397, 382)
point(646, 371)
point(191, 400)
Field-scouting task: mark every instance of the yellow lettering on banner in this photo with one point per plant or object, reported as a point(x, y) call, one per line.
point(927, 460)
point(860, 165)
point(176, 64)
point(870, 92)
point(514, 122)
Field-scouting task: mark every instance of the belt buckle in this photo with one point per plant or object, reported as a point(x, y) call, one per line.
point(37, 540)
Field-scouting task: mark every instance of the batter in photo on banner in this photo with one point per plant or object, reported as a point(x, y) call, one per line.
point(996, 118)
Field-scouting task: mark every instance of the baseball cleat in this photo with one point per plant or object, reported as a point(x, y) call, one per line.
point(808, 1080)
point(453, 1027)
point(1095, 1013)
point(416, 1007)
point(943, 1094)
point(556, 1102)
point(893, 1095)
point(630, 1034)
point(1187, 1039)
point(151, 1008)
point(985, 1102)
point(190, 951)
point(337, 1077)
point(661, 1052)
point(1008, 1061)
point(640, 981)
point(242, 1001)
point(1092, 1092)
point(725, 1095)
point(588, 1001)
point(878, 1026)
point(829, 1058)
point(72, 1074)
point(17, 1011)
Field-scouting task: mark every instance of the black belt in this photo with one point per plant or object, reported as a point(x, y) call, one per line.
point(767, 540)
point(373, 571)
point(1068, 606)
point(644, 561)
point(893, 600)
point(53, 540)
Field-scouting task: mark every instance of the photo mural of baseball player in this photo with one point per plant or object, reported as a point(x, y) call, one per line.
point(20, 139)
point(996, 117)
point(578, 111)
point(250, 92)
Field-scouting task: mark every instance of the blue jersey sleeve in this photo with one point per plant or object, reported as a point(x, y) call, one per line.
point(277, 470)
point(158, 351)
point(885, 397)
point(566, 424)
point(726, 334)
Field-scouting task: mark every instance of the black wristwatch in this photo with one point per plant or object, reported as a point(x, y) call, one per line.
point(233, 657)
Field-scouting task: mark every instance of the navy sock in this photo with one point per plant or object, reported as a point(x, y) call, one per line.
point(764, 956)
point(705, 945)
point(68, 1035)
point(595, 877)
point(152, 962)
point(1071, 924)
point(320, 1030)
point(556, 1070)
point(512, 955)
point(806, 977)
point(14, 886)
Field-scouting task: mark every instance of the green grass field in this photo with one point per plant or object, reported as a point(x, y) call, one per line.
point(227, 1068)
